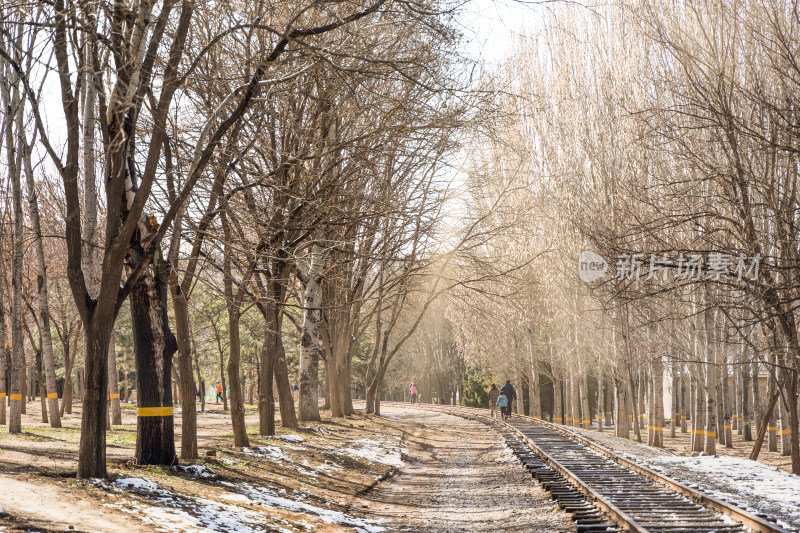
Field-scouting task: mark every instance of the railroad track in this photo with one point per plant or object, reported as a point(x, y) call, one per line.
point(604, 491)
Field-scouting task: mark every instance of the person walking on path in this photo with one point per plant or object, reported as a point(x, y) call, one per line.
point(508, 391)
point(219, 391)
point(413, 390)
point(502, 403)
point(493, 394)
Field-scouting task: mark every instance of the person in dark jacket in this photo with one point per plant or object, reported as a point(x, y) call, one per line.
point(493, 394)
point(508, 391)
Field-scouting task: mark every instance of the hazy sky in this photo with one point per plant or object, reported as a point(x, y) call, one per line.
point(490, 25)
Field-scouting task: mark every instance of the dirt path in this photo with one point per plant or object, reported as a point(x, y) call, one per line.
point(460, 477)
point(40, 507)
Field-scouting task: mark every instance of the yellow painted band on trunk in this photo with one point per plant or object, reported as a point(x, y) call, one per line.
point(608, 412)
point(771, 428)
point(727, 426)
point(537, 417)
point(711, 433)
point(683, 417)
point(559, 419)
point(154, 411)
point(784, 432)
point(587, 421)
point(52, 395)
point(697, 432)
point(17, 397)
point(115, 396)
point(657, 428)
point(2, 394)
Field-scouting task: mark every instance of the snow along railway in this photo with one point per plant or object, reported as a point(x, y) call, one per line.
point(606, 492)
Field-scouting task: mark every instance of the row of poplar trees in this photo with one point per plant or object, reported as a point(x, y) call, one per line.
point(663, 134)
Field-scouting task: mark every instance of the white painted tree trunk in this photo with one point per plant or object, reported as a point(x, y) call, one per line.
point(310, 342)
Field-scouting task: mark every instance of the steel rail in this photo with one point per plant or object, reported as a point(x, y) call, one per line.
point(746, 518)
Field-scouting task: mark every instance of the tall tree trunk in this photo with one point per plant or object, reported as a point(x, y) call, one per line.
point(785, 426)
point(113, 383)
point(154, 345)
point(641, 391)
point(574, 404)
point(535, 392)
point(41, 284)
point(623, 413)
point(92, 453)
point(698, 417)
point(675, 412)
point(658, 403)
point(651, 412)
point(310, 342)
point(757, 413)
point(266, 401)
point(4, 352)
point(180, 307)
point(601, 407)
point(586, 413)
point(42, 390)
point(726, 406)
point(11, 101)
point(747, 432)
point(558, 403)
point(223, 381)
point(274, 317)
point(201, 385)
point(762, 430)
point(794, 422)
point(772, 427)
point(240, 438)
point(25, 384)
point(69, 357)
point(721, 367)
point(711, 383)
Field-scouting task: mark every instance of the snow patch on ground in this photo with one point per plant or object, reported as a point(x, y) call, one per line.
point(135, 483)
point(266, 496)
point(170, 511)
point(290, 438)
point(748, 484)
point(385, 453)
point(200, 471)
